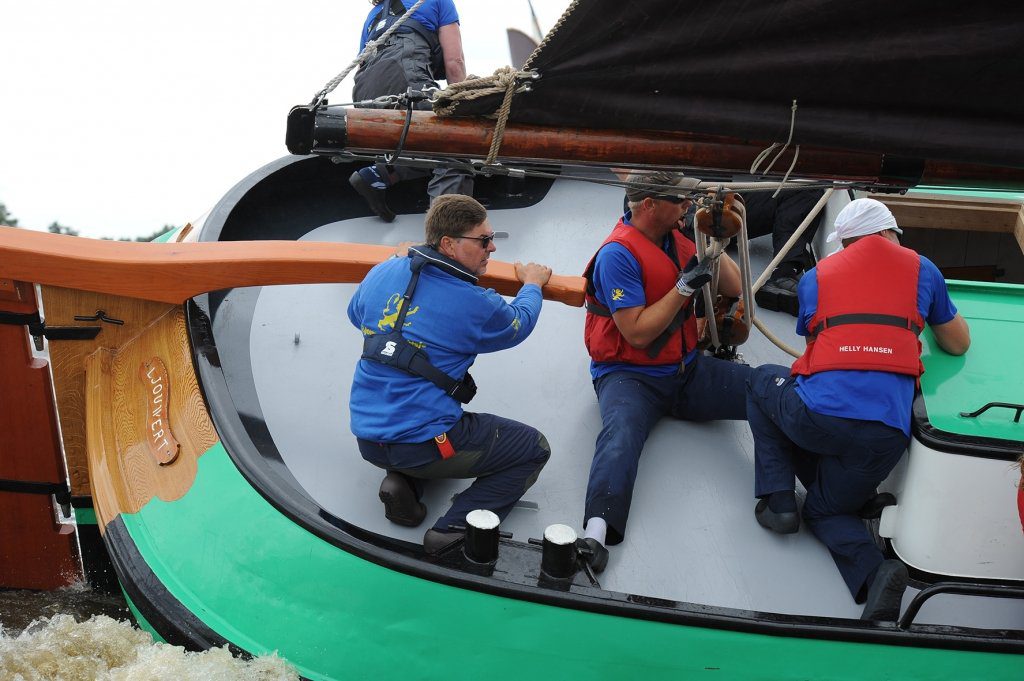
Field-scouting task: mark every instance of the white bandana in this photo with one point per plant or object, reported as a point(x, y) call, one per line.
point(861, 217)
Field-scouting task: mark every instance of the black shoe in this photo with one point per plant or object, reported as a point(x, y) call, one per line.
point(873, 507)
point(783, 523)
point(400, 503)
point(374, 197)
point(779, 293)
point(885, 595)
point(436, 541)
point(594, 553)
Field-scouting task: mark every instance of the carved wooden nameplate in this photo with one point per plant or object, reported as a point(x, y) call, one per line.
point(162, 444)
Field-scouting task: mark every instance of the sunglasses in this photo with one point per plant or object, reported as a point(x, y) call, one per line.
point(485, 240)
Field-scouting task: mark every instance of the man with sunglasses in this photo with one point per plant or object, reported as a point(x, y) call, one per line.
point(424, 319)
point(642, 337)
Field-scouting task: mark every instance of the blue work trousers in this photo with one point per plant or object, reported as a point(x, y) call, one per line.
point(504, 456)
point(840, 462)
point(631, 403)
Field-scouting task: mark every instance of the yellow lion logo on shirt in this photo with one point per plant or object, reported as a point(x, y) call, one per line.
point(618, 294)
point(391, 315)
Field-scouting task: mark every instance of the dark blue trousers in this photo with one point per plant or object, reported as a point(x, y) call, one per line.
point(504, 456)
point(840, 462)
point(631, 403)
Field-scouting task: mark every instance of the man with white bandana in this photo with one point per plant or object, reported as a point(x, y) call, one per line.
point(839, 419)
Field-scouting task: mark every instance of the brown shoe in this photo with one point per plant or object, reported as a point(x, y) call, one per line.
point(400, 503)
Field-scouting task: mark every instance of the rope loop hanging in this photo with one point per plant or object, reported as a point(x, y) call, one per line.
point(765, 153)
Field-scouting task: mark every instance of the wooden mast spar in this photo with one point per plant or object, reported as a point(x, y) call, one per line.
point(333, 131)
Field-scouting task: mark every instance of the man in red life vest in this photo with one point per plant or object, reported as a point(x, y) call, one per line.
point(641, 335)
point(839, 420)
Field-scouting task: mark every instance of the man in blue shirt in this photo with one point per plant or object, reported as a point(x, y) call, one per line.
point(843, 422)
point(426, 48)
point(642, 339)
point(405, 421)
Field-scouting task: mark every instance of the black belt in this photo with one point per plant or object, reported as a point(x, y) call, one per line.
point(867, 318)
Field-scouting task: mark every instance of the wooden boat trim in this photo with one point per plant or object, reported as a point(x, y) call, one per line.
point(175, 272)
point(125, 475)
point(934, 211)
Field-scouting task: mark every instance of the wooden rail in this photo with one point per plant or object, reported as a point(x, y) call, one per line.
point(946, 211)
point(175, 272)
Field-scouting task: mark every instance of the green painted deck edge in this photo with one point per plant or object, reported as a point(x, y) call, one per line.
point(265, 584)
point(974, 193)
point(85, 516)
point(992, 370)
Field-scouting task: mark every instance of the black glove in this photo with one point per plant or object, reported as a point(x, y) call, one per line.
point(693, 276)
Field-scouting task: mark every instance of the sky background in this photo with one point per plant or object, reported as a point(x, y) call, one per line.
point(118, 117)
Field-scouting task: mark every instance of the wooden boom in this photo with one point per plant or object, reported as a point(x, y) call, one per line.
point(379, 130)
point(175, 272)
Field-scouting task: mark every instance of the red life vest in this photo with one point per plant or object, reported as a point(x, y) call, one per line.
point(1020, 502)
point(867, 316)
point(602, 337)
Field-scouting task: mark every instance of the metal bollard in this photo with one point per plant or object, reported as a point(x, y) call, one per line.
point(558, 555)
point(481, 545)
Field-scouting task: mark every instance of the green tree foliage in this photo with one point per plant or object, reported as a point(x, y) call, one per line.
point(6, 218)
point(57, 228)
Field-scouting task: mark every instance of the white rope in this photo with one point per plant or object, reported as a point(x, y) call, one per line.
point(792, 240)
point(764, 153)
point(778, 342)
point(554, 29)
point(796, 155)
point(368, 51)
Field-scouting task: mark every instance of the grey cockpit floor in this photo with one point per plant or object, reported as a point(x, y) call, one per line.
point(691, 536)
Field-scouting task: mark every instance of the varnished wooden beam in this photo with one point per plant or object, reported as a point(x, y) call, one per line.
point(175, 272)
point(379, 130)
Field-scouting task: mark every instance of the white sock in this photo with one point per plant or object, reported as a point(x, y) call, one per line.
point(597, 529)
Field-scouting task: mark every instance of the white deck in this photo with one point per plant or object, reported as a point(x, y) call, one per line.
point(692, 534)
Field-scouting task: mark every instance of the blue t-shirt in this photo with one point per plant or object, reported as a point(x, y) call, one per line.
point(454, 319)
point(433, 14)
point(619, 284)
point(869, 395)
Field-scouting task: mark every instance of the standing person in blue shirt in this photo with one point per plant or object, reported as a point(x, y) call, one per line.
point(843, 422)
point(426, 48)
point(424, 320)
point(641, 334)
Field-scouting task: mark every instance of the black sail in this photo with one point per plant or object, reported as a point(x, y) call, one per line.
point(913, 79)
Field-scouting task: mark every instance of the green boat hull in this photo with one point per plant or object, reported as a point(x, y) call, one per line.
point(265, 584)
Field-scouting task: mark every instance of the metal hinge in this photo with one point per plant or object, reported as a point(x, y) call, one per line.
point(39, 330)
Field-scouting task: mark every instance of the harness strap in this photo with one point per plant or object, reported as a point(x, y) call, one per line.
point(658, 344)
point(393, 9)
point(393, 349)
point(444, 446)
point(867, 318)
